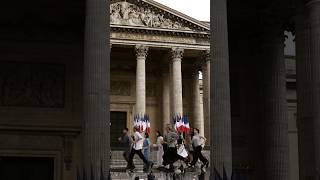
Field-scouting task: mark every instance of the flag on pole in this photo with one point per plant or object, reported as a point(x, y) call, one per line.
point(142, 122)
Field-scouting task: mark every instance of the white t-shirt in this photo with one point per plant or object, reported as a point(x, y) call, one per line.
point(139, 141)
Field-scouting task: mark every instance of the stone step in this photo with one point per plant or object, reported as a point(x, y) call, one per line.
point(120, 174)
point(117, 160)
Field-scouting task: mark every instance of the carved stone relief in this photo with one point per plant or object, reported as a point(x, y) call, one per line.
point(32, 85)
point(151, 89)
point(124, 13)
point(120, 88)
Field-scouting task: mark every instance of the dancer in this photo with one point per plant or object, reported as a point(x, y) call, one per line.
point(126, 140)
point(159, 146)
point(137, 149)
point(171, 155)
point(197, 147)
point(146, 148)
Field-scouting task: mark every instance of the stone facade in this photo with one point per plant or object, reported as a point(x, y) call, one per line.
point(53, 99)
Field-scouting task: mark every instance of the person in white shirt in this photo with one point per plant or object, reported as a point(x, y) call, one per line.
point(197, 142)
point(160, 148)
point(137, 149)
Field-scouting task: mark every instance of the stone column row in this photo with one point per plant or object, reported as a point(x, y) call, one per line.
point(172, 87)
point(172, 84)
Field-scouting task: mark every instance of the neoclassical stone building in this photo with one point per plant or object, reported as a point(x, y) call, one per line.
point(57, 96)
point(156, 56)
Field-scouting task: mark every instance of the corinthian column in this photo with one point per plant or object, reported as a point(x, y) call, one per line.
point(177, 54)
point(141, 54)
point(220, 115)
point(308, 88)
point(197, 121)
point(165, 97)
point(206, 93)
point(96, 124)
point(274, 123)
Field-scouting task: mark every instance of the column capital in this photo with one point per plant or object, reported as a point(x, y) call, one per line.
point(205, 55)
point(177, 53)
point(204, 58)
point(141, 51)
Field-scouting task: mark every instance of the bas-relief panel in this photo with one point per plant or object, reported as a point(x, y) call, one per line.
point(124, 13)
point(151, 89)
point(32, 85)
point(120, 88)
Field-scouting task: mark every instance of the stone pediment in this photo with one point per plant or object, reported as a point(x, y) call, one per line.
point(150, 14)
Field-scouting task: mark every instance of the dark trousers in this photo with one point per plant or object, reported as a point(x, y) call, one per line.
point(139, 152)
point(126, 155)
point(171, 156)
point(198, 155)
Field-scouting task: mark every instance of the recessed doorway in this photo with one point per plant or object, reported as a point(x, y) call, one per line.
point(118, 121)
point(26, 168)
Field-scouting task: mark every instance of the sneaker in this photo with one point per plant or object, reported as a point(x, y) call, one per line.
point(150, 166)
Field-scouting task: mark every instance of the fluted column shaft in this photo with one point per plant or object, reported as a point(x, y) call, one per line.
point(197, 121)
point(274, 104)
point(308, 88)
point(177, 54)
point(96, 124)
point(220, 112)
point(206, 94)
point(141, 54)
point(165, 98)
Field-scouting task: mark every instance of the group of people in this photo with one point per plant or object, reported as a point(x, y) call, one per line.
point(171, 147)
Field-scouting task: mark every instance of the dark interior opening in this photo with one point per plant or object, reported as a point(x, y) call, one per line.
point(26, 168)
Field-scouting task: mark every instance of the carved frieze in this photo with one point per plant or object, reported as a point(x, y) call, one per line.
point(32, 85)
point(157, 38)
point(120, 88)
point(124, 13)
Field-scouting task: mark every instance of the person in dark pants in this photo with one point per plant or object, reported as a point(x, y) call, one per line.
point(126, 140)
point(197, 147)
point(137, 149)
point(171, 155)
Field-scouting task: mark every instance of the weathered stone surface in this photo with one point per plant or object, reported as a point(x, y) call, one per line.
point(308, 88)
point(141, 54)
point(273, 105)
point(96, 123)
point(32, 85)
point(177, 54)
point(120, 88)
point(220, 112)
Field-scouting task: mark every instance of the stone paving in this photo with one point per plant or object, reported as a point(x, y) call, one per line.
point(118, 171)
